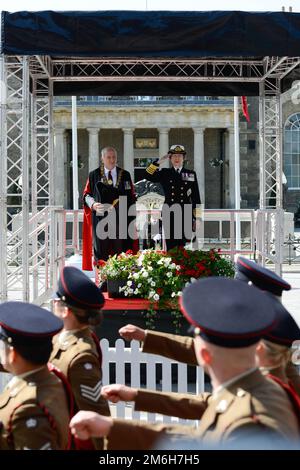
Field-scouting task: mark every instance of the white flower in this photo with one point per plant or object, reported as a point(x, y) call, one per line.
point(153, 284)
point(193, 279)
point(130, 291)
point(156, 297)
point(136, 291)
point(129, 283)
point(140, 260)
point(173, 266)
point(167, 261)
point(145, 274)
point(139, 285)
point(169, 274)
point(135, 275)
point(173, 294)
point(179, 294)
point(150, 268)
point(151, 293)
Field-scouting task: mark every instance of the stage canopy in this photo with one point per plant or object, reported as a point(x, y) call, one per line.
point(127, 53)
point(240, 42)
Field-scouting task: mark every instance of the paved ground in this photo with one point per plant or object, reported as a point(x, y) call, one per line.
point(291, 299)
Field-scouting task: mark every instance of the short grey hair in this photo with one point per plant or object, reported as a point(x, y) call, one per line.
point(108, 149)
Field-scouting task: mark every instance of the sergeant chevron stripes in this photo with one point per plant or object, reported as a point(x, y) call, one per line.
point(46, 446)
point(91, 393)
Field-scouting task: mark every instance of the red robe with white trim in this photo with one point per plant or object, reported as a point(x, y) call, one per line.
point(101, 191)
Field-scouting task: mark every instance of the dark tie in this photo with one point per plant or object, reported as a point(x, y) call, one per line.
point(178, 171)
point(109, 178)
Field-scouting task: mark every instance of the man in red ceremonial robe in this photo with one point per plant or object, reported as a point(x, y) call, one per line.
point(109, 211)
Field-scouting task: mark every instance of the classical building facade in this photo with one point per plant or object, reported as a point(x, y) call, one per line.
point(143, 128)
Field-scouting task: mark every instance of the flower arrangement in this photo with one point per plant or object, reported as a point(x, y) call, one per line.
point(199, 263)
point(160, 276)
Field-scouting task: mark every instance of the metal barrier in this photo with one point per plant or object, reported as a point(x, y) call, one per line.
point(227, 244)
point(270, 237)
point(32, 281)
point(223, 217)
point(55, 233)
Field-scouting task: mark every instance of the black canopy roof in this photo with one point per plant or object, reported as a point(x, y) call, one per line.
point(154, 34)
point(151, 34)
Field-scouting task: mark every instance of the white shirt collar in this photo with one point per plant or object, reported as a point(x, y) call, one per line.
point(231, 381)
point(113, 171)
point(178, 168)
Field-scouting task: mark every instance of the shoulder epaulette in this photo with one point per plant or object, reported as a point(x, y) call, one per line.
point(152, 168)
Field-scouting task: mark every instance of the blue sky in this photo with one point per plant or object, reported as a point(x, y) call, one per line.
point(249, 5)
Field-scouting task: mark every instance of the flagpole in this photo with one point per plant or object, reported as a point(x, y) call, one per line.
point(75, 171)
point(237, 173)
point(76, 259)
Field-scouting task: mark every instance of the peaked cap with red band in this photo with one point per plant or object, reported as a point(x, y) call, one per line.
point(78, 290)
point(263, 278)
point(28, 324)
point(228, 313)
point(286, 330)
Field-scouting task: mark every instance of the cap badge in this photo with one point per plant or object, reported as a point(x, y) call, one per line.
point(31, 423)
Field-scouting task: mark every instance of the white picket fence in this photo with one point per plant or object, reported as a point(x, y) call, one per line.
point(121, 358)
point(134, 357)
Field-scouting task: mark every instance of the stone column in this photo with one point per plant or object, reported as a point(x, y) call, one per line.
point(66, 169)
point(199, 161)
point(128, 151)
point(164, 145)
point(231, 178)
point(94, 155)
point(59, 164)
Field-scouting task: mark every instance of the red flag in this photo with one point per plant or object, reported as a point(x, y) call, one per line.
point(245, 108)
point(87, 234)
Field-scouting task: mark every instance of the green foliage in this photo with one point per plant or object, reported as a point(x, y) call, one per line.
point(161, 276)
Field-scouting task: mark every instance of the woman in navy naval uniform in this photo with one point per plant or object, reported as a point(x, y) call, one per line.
point(182, 197)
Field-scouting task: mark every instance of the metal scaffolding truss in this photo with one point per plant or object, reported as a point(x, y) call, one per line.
point(170, 70)
point(279, 67)
point(42, 144)
point(27, 166)
point(156, 70)
point(26, 176)
point(15, 173)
